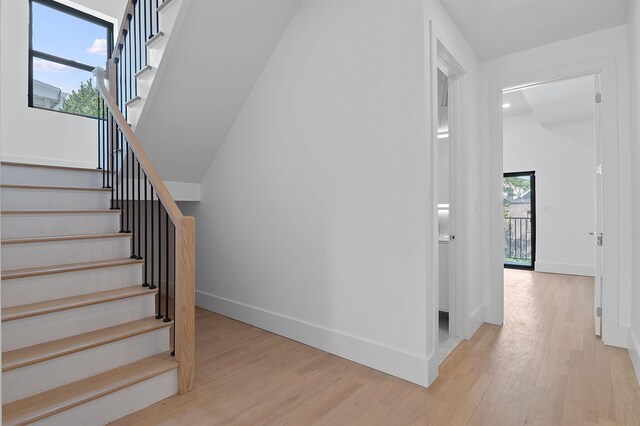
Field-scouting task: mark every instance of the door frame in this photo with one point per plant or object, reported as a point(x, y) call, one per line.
point(458, 317)
point(532, 186)
point(613, 333)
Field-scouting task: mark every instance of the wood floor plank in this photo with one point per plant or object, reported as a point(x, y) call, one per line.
point(544, 366)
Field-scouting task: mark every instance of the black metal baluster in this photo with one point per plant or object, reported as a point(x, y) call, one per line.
point(143, 14)
point(122, 182)
point(139, 211)
point(133, 207)
point(150, 19)
point(146, 233)
point(119, 63)
point(114, 162)
point(126, 186)
point(166, 286)
point(139, 38)
point(105, 139)
point(101, 139)
point(99, 143)
point(173, 329)
point(159, 315)
point(123, 107)
point(110, 134)
point(134, 40)
point(152, 284)
point(131, 59)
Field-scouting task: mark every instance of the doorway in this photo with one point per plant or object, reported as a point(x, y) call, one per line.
point(448, 190)
point(552, 217)
point(519, 201)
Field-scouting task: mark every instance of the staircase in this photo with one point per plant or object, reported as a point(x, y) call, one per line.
point(97, 265)
point(80, 340)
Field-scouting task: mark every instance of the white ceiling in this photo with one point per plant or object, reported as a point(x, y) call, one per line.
point(499, 27)
point(554, 103)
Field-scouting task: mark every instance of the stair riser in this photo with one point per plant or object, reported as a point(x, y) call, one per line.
point(36, 199)
point(43, 225)
point(118, 404)
point(25, 175)
point(15, 256)
point(32, 379)
point(44, 328)
point(22, 291)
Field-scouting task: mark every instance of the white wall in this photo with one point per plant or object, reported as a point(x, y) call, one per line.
point(30, 134)
point(607, 48)
point(563, 158)
point(316, 208)
point(211, 63)
point(634, 63)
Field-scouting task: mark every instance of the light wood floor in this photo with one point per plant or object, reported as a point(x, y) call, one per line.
point(543, 367)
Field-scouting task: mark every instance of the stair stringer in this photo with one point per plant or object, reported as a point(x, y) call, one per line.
point(171, 15)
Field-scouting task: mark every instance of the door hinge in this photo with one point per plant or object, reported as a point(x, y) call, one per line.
point(599, 312)
point(598, 98)
point(599, 169)
point(600, 239)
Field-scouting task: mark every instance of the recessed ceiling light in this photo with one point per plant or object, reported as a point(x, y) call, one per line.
point(506, 105)
point(443, 135)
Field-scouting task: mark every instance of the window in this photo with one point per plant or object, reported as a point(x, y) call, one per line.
point(65, 46)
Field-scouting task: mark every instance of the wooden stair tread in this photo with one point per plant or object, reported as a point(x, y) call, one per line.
point(54, 188)
point(56, 400)
point(68, 267)
point(22, 357)
point(59, 211)
point(153, 40)
point(65, 303)
point(49, 239)
point(164, 5)
point(50, 166)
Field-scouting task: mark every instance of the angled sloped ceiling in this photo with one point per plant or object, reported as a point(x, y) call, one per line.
point(215, 57)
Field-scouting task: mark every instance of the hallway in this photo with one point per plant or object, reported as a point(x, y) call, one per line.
point(545, 366)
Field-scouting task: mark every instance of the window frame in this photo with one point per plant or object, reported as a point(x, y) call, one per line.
point(532, 185)
point(57, 59)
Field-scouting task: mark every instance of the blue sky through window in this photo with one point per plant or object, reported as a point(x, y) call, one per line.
point(68, 37)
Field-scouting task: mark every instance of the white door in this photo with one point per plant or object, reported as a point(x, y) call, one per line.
point(598, 236)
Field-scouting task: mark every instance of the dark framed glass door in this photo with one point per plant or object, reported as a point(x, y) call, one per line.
point(519, 212)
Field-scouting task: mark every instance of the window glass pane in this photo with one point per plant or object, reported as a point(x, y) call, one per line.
point(68, 37)
point(62, 88)
point(518, 216)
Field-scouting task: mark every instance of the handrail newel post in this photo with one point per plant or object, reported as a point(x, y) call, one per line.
point(185, 302)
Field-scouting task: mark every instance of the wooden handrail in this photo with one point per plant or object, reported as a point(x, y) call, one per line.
point(184, 342)
point(152, 174)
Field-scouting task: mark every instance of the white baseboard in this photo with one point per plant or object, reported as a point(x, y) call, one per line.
point(565, 268)
point(475, 321)
point(404, 365)
point(491, 315)
point(634, 352)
